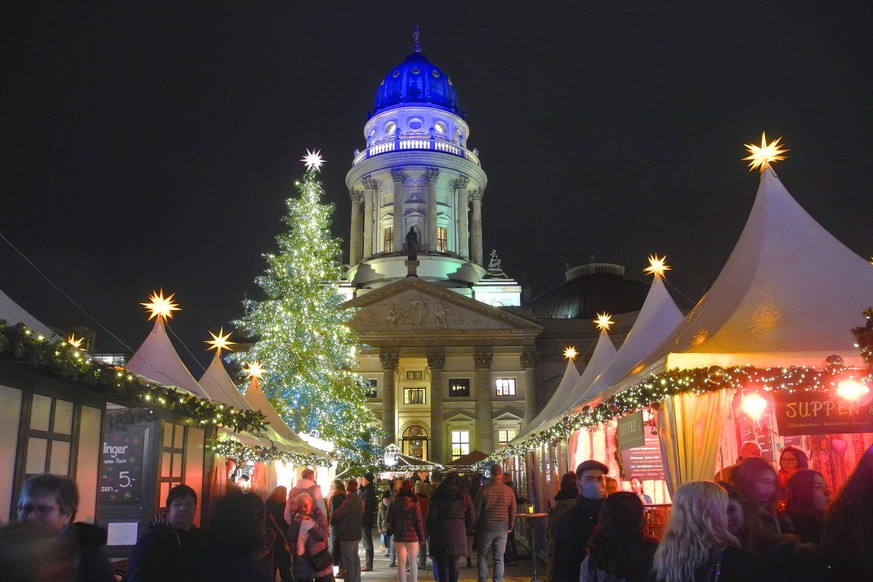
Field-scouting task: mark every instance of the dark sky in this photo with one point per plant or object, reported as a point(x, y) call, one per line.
point(152, 144)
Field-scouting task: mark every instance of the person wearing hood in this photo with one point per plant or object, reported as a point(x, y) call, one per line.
point(51, 502)
point(305, 484)
point(573, 529)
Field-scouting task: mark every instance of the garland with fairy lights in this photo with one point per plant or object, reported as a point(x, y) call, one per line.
point(66, 360)
point(657, 388)
point(234, 449)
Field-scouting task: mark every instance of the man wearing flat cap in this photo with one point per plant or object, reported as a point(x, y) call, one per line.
point(573, 529)
point(367, 493)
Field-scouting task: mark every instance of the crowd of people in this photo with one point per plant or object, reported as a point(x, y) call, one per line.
point(758, 524)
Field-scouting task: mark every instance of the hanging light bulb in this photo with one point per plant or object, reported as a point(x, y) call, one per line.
point(753, 405)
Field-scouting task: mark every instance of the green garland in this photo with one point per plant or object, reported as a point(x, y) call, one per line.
point(650, 393)
point(234, 449)
point(21, 344)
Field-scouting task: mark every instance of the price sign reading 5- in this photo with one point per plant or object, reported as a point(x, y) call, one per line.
point(124, 480)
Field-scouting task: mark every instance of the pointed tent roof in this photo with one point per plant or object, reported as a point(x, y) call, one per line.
point(657, 320)
point(554, 405)
point(788, 294)
point(158, 360)
point(258, 400)
point(13, 314)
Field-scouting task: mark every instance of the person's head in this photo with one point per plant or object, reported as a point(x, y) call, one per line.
point(351, 486)
point(622, 510)
point(367, 479)
point(568, 484)
point(451, 485)
point(757, 481)
point(181, 507)
point(591, 479)
point(339, 486)
point(50, 501)
point(496, 473)
point(304, 503)
point(750, 450)
point(793, 459)
point(31, 553)
point(308, 473)
point(637, 485)
point(406, 497)
point(420, 487)
point(279, 494)
point(697, 525)
point(618, 533)
point(386, 497)
point(611, 485)
point(736, 511)
point(807, 493)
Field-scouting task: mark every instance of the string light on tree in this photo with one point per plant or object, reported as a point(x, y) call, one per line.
point(765, 154)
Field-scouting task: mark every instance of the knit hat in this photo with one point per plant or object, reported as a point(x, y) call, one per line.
point(590, 465)
point(369, 477)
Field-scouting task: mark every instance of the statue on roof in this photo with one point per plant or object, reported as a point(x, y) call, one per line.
point(412, 244)
point(494, 269)
point(416, 38)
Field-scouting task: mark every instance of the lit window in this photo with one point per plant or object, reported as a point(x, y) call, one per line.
point(459, 387)
point(372, 388)
point(414, 375)
point(506, 386)
point(460, 443)
point(442, 240)
point(414, 395)
point(505, 435)
point(388, 239)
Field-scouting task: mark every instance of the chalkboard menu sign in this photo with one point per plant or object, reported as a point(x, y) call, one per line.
point(645, 461)
point(121, 478)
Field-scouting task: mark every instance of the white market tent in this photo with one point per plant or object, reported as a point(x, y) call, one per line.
point(157, 360)
point(562, 393)
point(13, 314)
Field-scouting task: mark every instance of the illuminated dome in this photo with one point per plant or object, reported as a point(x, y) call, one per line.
point(416, 82)
point(591, 289)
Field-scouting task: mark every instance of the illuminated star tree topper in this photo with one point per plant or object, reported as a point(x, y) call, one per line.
point(161, 307)
point(657, 266)
point(765, 154)
point(313, 160)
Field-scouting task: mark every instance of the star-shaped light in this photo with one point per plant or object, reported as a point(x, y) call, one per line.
point(761, 156)
point(74, 341)
point(313, 160)
point(657, 266)
point(570, 353)
point(253, 370)
point(220, 342)
point(603, 321)
point(160, 306)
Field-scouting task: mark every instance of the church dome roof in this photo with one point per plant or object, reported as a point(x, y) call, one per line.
point(589, 290)
point(416, 81)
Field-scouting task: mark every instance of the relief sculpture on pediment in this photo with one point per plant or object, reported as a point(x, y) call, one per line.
point(417, 310)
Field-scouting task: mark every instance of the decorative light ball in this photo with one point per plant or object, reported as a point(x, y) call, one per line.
point(586, 409)
point(715, 375)
point(754, 405)
point(612, 407)
point(835, 364)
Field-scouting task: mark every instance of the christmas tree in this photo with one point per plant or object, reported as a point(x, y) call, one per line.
point(303, 341)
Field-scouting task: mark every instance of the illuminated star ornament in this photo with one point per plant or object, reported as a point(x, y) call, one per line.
point(161, 307)
point(74, 341)
point(220, 342)
point(253, 370)
point(603, 321)
point(570, 353)
point(657, 266)
point(761, 156)
point(313, 160)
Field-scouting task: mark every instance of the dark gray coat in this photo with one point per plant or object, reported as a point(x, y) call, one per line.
point(347, 519)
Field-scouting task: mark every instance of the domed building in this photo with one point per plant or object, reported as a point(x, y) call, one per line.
point(451, 371)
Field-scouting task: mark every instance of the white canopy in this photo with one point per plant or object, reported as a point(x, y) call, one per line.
point(157, 360)
point(553, 406)
point(258, 400)
point(13, 314)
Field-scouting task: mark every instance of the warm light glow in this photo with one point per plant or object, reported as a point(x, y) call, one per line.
point(603, 321)
point(313, 160)
point(754, 405)
point(657, 266)
point(570, 353)
point(852, 389)
point(74, 341)
point(761, 156)
point(253, 370)
point(160, 306)
point(220, 342)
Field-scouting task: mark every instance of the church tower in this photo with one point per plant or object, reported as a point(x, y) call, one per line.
point(416, 179)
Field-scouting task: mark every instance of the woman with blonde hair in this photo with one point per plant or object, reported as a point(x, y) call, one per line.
point(697, 546)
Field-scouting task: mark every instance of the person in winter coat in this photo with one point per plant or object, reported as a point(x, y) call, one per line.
point(305, 484)
point(619, 550)
point(275, 520)
point(407, 526)
point(336, 497)
point(573, 529)
point(564, 500)
point(424, 505)
point(382, 522)
point(449, 518)
point(347, 520)
point(367, 493)
point(308, 533)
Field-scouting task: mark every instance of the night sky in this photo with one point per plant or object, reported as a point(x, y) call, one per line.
point(153, 144)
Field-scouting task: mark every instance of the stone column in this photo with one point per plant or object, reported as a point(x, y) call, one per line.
point(355, 239)
point(430, 177)
point(476, 197)
point(529, 363)
point(459, 185)
point(371, 197)
point(389, 363)
point(484, 407)
point(400, 178)
point(436, 362)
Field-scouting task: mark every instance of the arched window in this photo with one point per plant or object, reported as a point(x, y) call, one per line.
point(415, 441)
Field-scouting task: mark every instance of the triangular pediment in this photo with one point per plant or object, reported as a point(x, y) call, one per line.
point(413, 308)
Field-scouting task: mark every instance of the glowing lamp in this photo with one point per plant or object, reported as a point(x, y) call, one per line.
point(753, 405)
point(390, 457)
point(852, 389)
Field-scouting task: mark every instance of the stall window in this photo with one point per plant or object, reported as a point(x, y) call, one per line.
point(49, 436)
point(172, 459)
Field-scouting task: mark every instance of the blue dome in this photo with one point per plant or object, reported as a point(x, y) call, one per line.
point(416, 81)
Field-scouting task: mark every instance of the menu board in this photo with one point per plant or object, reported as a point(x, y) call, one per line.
point(121, 478)
point(645, 461)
